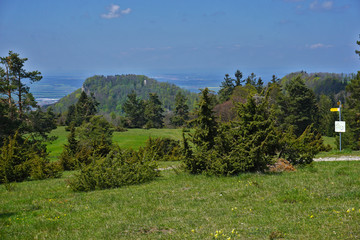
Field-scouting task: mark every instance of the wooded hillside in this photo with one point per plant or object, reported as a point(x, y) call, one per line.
point(330, 84)
point(111, 92)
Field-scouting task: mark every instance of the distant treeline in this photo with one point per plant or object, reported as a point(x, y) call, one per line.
point(329, 84)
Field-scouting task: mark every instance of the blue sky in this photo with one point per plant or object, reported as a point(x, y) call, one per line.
point(78, 37)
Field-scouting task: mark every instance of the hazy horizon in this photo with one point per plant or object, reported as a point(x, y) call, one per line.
point(187, 37)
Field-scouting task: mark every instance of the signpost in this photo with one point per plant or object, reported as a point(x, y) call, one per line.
point(339, 125)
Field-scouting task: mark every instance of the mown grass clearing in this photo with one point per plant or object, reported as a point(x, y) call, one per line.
point(319, 202)
point(133, 138)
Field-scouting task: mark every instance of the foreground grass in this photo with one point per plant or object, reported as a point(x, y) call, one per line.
point(319, 202)
point(133, 138)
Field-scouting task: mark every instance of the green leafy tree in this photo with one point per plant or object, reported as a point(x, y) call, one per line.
point(181, 113)
point(154, 112)
point(134, 109)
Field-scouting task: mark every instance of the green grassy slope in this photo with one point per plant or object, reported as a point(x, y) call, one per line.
point(133, 138)
point(321, 202)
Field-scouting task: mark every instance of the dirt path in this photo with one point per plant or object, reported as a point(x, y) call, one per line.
point(338, 158)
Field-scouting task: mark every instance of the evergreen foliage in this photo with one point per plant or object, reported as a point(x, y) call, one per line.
point(24, 127)
point(226, 88)
point(134, 109)
point(21, 160)
point(250, 144)
point(116, 169)
point(205, 123)
point(329, 84)
point(238, 80)
point(164, 149)
point(92, 139)
point(154, 112)
point(352, 113)
point(298, 106)
point(302, 149)
point(181, 113)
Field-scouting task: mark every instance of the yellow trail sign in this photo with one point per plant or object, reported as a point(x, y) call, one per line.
point(334, 109)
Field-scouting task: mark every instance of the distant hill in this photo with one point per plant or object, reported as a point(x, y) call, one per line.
point(111, 92)
point(330, 84)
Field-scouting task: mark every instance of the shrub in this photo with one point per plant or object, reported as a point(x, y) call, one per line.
point(118, 168)
point(164, 149)
point(21, 159)
point(95, 140)
point(301, 150)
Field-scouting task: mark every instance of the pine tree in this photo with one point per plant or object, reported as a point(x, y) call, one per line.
point(85, 108)
point(205, 123)
point(259, 85)
point(298, 106)
point(226, 88)
point(154, 112)
point(12, 83)
point(251, 80)
point(134, 109)
point(352, 112)
point(181, 114)
point(238, 80)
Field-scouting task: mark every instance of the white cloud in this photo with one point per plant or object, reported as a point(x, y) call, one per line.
point(318, 45)
point(326, 5)
point(115, 12)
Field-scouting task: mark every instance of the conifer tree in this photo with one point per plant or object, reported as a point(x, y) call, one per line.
point(238, 80)
point(85, 108)
point(298, 106)
point(205, 123)
point(154, 112)
point(134, 109)
point(181, 114)
point(226, 88)
point(352, 110)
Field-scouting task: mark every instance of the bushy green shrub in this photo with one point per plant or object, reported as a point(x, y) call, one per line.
point(21, 159)
point(91, 139)
point(164, 149)
point(118, 168)
point(301, 150)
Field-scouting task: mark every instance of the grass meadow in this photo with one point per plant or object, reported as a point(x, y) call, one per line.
point(316, 202)
point(320, 201)
point(133, 138)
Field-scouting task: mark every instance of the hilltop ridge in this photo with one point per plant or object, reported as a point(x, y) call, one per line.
point(111, 92)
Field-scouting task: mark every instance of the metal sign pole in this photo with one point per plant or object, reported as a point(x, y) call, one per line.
point(340, 120)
